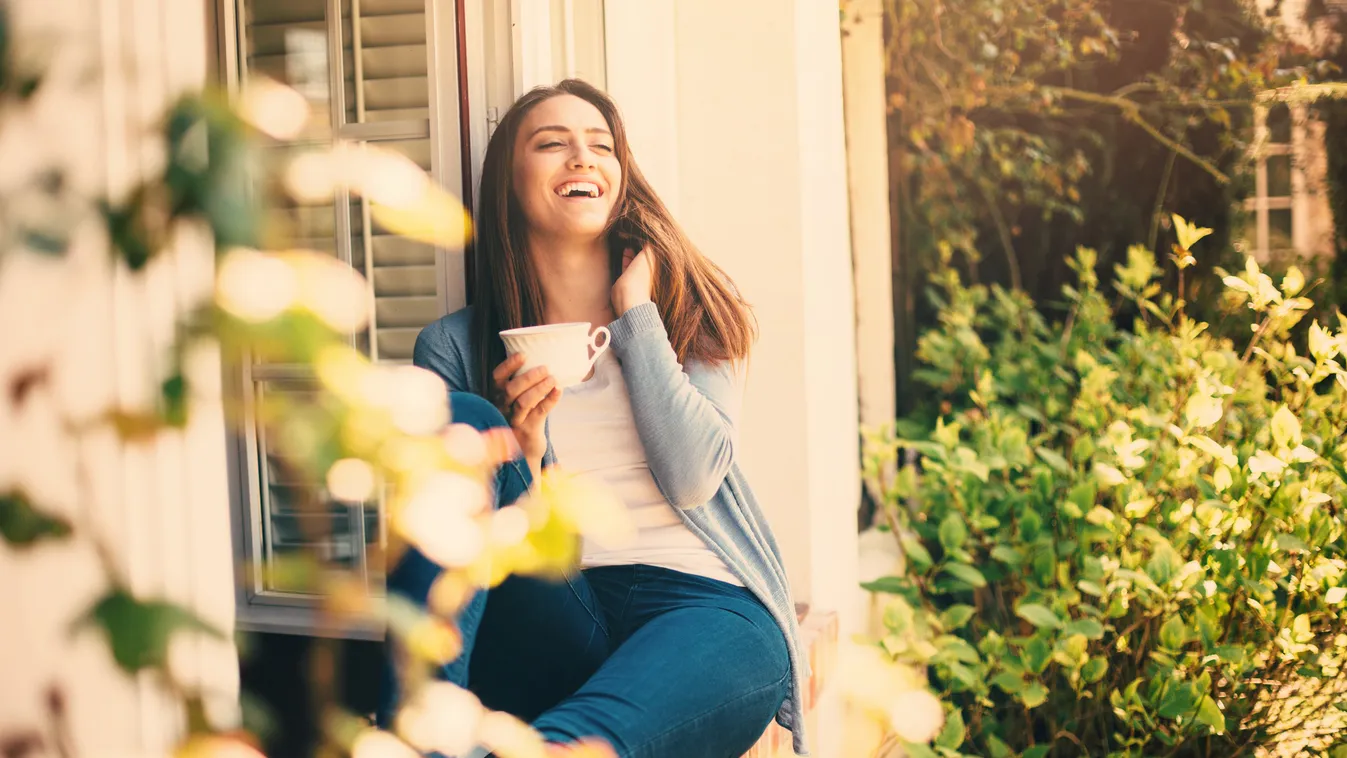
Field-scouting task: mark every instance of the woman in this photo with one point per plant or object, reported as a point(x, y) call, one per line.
point(683, 645)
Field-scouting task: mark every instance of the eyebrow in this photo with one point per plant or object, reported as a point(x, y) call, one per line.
point(556, 128)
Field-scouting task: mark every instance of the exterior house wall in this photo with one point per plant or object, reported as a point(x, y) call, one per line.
point(161, 508)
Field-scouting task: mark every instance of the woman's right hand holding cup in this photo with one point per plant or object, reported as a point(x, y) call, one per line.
point(525, 400)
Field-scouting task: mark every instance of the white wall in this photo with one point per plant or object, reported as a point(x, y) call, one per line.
point(162, 508)
point(736, 114)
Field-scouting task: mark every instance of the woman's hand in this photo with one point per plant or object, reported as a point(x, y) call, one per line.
point(525, 400)
point(636, 285)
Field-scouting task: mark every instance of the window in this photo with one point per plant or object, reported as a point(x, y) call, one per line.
point(1288, 213)
point(382, 72)
point(365, 67)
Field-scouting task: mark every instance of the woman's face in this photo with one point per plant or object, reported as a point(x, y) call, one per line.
point(566, 173)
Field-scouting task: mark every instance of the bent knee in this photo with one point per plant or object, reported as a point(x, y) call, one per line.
point(475, 411)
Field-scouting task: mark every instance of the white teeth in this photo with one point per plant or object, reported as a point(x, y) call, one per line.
point(588, 188)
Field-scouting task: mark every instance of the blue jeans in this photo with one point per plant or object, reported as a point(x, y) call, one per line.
point(656, 662)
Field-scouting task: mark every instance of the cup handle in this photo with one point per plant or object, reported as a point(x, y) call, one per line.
point(599, 349)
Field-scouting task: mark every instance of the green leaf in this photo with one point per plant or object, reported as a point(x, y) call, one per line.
point(1007, 555)
point(1090, 588)
point(996, 748)
point(1292, 544)
point(915, 552)
point(139, 631)
point(1094, 669)
point(1037, 751)
point(1178, 700)
point(1009, 681)
point(22, 525)
point(1173, 633)
point(1039, 615)
point(952, 735)
point(1036, 655)
point(1089, 628)
point(917, 750)
point(953, 532)
point(966, 574)
point(1034, 695)
point(893, 585)
point(1209, 713)
point(956, 616)
point(1054, 459)
point(1229, 653)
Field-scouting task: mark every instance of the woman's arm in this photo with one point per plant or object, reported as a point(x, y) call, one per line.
point(686, 420)
point(440, 348)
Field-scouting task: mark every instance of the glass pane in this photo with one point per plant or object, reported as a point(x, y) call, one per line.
point(296, 516)
point(1279, 229)
point(1279, 124)
point(287, 40)
point(384, 60)
point(1279, 176)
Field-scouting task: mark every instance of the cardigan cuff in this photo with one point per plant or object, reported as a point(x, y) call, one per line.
point(643, 318)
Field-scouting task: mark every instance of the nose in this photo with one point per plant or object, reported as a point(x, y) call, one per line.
point(581, 157)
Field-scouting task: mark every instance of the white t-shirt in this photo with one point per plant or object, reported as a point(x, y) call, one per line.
point(593, 433)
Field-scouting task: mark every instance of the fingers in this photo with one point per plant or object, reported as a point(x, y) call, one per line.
point(529, 400)
point(628, 256)
point(502, 373)
point(518, 386)
point(546, 405)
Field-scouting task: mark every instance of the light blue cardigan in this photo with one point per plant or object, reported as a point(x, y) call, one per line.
point(686, 421)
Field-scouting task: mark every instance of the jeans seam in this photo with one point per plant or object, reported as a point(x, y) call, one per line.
point(708, 711)
point(598, 623)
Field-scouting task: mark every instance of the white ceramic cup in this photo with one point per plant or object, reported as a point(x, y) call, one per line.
point(563, 348)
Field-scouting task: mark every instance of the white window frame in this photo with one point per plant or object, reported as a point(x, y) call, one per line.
point(1298, 202)
point(259, 609)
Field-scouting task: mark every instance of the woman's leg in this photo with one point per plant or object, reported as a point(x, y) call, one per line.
point(700, 675)
point(522, 626)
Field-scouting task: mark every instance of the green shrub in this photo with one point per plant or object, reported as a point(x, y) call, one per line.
point(1124, 542)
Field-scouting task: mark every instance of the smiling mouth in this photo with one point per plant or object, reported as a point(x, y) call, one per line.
point(579, 189)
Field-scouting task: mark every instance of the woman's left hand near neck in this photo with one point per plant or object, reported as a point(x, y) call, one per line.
point(636, 285)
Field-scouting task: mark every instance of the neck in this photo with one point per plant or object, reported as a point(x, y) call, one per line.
point(574, 278)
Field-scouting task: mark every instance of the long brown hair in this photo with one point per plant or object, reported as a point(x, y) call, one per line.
point(705, 317)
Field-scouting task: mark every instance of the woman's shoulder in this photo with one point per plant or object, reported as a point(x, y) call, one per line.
point(444, 346)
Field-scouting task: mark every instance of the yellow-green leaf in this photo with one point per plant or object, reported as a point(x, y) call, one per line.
point(1209, 713)
point(1285, 428)
point(1188, 234)
point(1335, 595)
point(1034, 695)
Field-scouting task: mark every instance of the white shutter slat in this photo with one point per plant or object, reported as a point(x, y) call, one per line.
point(405, 312)
point(405, 280)
point(397, 344)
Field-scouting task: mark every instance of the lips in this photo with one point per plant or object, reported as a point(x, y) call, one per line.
point(581, 189)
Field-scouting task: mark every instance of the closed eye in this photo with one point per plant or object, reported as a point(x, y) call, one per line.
point(548, 145)
point(605, 148)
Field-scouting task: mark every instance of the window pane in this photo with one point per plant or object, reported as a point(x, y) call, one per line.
point(287, 40)
point(1279, 176)
point(1279, 230)
point(1279, 124)
point(384, 60)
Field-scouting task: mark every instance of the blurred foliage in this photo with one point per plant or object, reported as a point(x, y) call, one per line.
point(1026, 129)
point(366, 433)
point(1125, 542)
